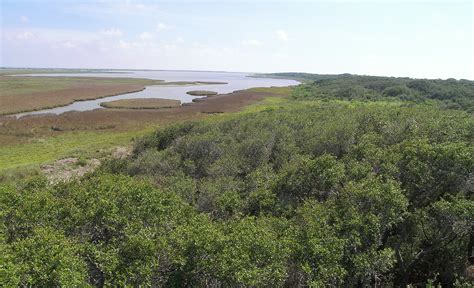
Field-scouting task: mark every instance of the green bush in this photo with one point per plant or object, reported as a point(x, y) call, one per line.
point(348, 184)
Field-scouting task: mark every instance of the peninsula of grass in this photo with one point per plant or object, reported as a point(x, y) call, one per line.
point(141, 103)
point(23, 93)
point(202, 93)
point(189, 83)
point(23, 71)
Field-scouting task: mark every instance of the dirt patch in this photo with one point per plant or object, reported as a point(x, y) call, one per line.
point(68, 168)
point(121, 152)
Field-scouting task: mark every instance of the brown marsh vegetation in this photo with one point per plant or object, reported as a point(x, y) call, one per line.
point(141, 103)
point(23, 93)
point(23, 130)
point(201, 93)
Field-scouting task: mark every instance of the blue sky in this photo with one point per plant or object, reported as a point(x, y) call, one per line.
point(417, 39)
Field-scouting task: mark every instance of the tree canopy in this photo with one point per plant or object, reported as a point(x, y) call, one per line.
point(355, 181)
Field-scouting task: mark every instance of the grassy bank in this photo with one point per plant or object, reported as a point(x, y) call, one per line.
point(201, 93)
point(64, 145)
point(190, 83)
point(141, 103)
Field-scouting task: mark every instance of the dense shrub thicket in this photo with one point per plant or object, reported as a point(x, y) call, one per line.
point(451, 93)
point(319, 193)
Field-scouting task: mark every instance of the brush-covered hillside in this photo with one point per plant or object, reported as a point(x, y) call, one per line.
point(351, 181)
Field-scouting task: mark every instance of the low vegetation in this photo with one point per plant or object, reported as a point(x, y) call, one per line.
point(70, 144)
point(30, 141)
point(189, 83)
point(26, 93)
point(450, 93)
point(324, 189)
point(22, 71)
point(201, 93)
point(22, 93)
point(141, 103)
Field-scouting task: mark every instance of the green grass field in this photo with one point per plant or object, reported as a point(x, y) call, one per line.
point(68, 144)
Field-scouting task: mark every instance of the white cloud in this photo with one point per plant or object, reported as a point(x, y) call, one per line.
point(162, 26)
point(112, 32)
point(24, 19)
point(24, 35)
point(124, 44)
point(113, 7)
point(135, 44)
point(282, 35)
point(145, 36)
point(51, 35)
point(69, 44)
point(280, 56)
point(170, 47)
point(180, 40)
point(252, 42)
point(53, 38)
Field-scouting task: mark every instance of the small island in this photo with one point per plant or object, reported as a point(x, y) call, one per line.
point(189, 83)
point(202, 93)
point(141, 103)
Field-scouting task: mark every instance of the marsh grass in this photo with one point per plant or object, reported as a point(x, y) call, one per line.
point(27, 143)
point(202, 93)
point(64, 145)
point(23, 93)
point(141, 103)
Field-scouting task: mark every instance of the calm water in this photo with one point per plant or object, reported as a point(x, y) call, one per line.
point(236, 81)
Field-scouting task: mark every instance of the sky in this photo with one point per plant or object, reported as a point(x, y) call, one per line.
point(424, 39)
